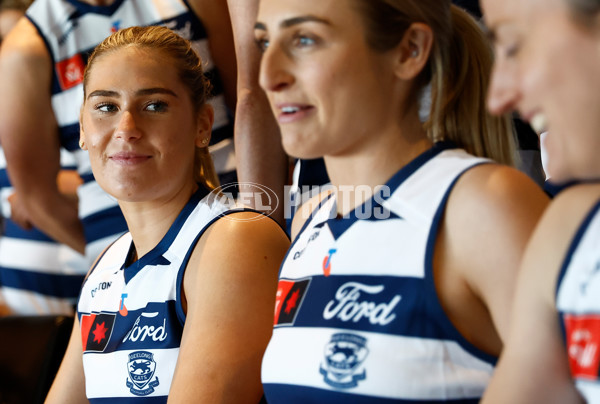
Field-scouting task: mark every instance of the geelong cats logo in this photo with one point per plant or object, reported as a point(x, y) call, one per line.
point(344, 355)
point(141, 367)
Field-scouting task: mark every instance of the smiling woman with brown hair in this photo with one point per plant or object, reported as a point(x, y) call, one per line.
point(180, 307)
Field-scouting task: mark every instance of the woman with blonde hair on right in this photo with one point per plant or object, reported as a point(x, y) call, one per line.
point(547, 64)
point(399, 281)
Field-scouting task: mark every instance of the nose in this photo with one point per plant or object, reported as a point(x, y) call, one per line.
point(503, 92)
point(127, 129)
point(274, 70)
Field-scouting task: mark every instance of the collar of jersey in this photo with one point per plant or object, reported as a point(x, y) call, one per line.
point(338, 226)
point(155, 256)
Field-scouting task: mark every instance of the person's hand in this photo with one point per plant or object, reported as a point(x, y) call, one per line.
point(18, 213)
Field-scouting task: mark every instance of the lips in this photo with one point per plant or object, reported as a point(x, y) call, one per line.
point(289, 112)
point(129, 157)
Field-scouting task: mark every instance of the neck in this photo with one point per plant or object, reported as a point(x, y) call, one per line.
point(149, 221)
point(358, 176)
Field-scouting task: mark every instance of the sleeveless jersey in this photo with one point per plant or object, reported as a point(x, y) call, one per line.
point(357, 316)
point(71, 29)
point(32, 277)
point(131, 317)
point(578, 305)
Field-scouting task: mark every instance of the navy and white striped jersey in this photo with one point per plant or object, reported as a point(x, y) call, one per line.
point(578, 305)
point(71, 29)
point(33, 277)
point(131, 316)
point(357, 316)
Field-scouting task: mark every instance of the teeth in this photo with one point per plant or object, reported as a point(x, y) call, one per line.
point(289, 110)
point(539, 123)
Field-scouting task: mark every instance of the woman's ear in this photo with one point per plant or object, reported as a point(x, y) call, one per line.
point(82, 145)
point(412, 53)
point(206, 117)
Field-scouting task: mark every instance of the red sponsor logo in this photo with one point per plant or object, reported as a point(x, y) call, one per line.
point(288, 300)
point(583, 344)
point(70, 71)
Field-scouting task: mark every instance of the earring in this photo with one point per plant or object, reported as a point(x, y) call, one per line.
point(414, 53)
point(205, 141)
point(81, 144)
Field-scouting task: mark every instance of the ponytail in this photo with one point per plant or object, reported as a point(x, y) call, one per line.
point(204, 169)
point(460, 74)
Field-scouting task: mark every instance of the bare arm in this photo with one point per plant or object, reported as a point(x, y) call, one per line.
point(534, 366)
point(29, 136)
point(230, 286)
point(489, 218)
point(259, 153)
point(69, 385)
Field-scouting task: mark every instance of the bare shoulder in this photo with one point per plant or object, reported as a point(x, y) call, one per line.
point(248, 237)
point(496, 187)
point(24, 41)
point(24, 60)
point(555, 232)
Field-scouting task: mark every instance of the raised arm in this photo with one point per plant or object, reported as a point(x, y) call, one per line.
point(29, 136)
point(230, 285)
point(259, 153)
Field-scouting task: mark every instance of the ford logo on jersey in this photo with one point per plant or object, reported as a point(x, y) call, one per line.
point(344, 355)
point(141, 367)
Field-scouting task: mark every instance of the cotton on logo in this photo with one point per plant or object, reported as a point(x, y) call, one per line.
point(583, 342)
point(70, 71)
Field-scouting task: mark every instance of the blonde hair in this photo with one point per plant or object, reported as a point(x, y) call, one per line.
point(191, 73)
point(458, 70)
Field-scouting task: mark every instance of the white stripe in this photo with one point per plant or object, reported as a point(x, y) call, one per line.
point(114, 378)
point(26, 303)
point(589, 389)
point(450, 373)
point(67, 104)
point(29, 255)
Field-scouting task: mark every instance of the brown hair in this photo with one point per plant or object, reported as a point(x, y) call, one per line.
point(458, 70)
point(191, 73)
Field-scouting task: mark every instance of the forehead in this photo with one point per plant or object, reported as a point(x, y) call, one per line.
point(134, 62)
point(498, 13)
point(276, 11)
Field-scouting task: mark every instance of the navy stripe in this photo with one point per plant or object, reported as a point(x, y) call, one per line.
point(4, 180)
point(105, 223)
point(69, 137)
point(13, 230)
point(165, 324)
point(83, 8)
point(62, 286)
point(397, 300)
point(129, 400)
point(290, 394)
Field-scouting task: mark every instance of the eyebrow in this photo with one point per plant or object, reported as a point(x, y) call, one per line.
point(144, 91)
point(290, 22)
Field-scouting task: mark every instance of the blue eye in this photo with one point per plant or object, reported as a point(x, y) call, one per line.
point(305, 41)
point(157, 106)
point(262, 44)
